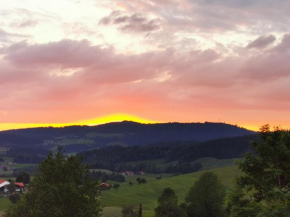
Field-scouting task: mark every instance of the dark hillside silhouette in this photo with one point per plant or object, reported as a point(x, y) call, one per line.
point(132, 133)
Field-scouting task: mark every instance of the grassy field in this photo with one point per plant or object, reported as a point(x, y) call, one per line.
point(14, 166)
point(111, 212)
point(148, 193)
point(102, 170)
point(211, 163)
point(4, 204)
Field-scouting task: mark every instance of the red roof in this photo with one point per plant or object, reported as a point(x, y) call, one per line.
point(19, 184)
point(2, 181)
point(106, 184)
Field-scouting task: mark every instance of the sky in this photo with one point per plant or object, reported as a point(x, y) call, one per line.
point(67, 62)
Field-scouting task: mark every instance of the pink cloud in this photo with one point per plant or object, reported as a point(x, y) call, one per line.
point(163, 82)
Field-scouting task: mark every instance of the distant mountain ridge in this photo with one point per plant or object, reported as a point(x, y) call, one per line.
point(132, 133)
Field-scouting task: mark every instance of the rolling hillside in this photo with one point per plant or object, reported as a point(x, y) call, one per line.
point(82, 138)
point(148, 193)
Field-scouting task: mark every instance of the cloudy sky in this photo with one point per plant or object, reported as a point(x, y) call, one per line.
point(75, 61)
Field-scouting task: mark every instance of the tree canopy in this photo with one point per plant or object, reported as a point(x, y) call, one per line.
point(62, 188)
point(264, 190)
point(23, 177)
point(206, 197)
point(167, 204)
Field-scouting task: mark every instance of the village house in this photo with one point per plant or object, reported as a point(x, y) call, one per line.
point(128, 173)
point(19, 186)
point(104, 186)
point(4, 185)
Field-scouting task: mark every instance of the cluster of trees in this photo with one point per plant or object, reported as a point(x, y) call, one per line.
point(27, 155)
point(23, 177)
point(136, 167)
point(264, 190)
point(183, 152)
point(182, 168)
point(28, 159)
point(205, 199)
point(132, 210)
point(63, 187)
point(141, 180)
point(104, 176)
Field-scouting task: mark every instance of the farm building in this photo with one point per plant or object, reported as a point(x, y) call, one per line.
point(19, 186)
point(104, 186)
point(128, 173)
point(3, 184)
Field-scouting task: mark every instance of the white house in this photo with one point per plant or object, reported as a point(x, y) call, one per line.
point(3, 185)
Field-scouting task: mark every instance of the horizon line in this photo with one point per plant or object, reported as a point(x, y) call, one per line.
point(63, 125)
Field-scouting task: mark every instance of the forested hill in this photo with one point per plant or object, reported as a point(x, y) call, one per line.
point(116, 157)
point(18, 140)
point(132, 133)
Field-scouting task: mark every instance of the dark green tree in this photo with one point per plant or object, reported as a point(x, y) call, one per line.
point(23, 177)
point(14, 198)
point(143, 181)
point(138, 180)
point(240, 206)
point(129, 211)
point(12, 187)
point(266, 183)
point(167, 204)
point(62, 188)
point(206, 198)
point(116, 186)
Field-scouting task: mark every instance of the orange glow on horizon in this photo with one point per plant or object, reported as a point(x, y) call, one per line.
point(90, 122)
point(104, 120)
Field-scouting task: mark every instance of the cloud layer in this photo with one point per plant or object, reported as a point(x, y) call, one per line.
point(162, 60)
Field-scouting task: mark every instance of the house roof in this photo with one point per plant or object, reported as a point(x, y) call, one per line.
point(19, 184)
point(3, 183)
point(105, 184)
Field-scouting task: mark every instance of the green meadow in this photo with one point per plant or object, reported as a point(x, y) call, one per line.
point(4, 204)
point(148, 193)
point(211, 163)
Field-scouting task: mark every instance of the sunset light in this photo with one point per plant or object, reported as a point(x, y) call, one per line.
point(89, 62)
point(165, 108)
point(92, 122)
